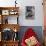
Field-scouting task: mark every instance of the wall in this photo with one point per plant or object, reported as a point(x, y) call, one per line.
point(38, 21)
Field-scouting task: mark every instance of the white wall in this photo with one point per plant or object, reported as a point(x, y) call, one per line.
point(38, 21)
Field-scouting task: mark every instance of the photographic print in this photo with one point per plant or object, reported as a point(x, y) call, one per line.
point(30, 12)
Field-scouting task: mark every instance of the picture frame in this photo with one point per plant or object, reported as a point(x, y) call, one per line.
point(5, 12)
point(13, 12)
point(30, 12)
point(9, 34)
point(10, 19)
point(13, 20)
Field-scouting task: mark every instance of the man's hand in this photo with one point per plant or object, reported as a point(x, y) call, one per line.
point(32, 41)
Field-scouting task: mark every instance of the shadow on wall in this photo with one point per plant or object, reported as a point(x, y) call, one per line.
point(37, 29)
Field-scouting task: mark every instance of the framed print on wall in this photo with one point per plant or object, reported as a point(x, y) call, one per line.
point(5, 12)
point(30, 12)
